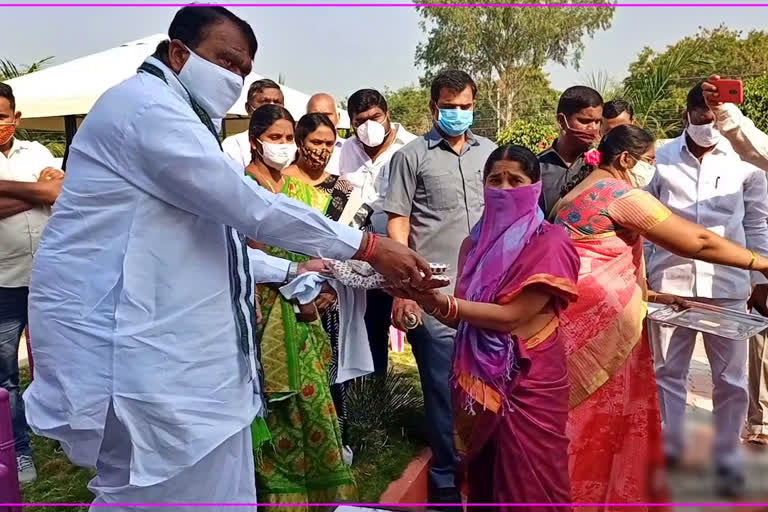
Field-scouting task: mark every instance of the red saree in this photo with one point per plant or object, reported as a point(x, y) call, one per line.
point(614, 424)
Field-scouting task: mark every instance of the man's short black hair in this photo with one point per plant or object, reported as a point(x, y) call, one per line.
point(695, 99)
point(454, 80)
point(260, 86)
point(578, 98)
point(7, 92)
point(365, 99)
point(616, 107)
point(191, 24)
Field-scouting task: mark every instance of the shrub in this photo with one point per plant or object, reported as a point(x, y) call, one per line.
point(375, 406)
point(536, 137)
point(755, 104)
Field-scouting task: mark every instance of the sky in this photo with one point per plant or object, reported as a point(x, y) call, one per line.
point(340, 50)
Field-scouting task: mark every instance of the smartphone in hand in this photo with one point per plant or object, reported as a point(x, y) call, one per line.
point(729, 91)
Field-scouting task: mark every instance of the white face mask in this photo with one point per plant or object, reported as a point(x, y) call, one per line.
point(371, 133)
point(704, 135)
point(278, 156)
point(214, 88)
point(641, 174)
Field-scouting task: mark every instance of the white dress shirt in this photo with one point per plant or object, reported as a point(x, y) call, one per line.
point(333, 163)
point(723, 194)
point(372, 177)
point(130, 297)
point(20, 233)
point(238, 148)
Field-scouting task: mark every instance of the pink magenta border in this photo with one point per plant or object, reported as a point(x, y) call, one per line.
point(369, 4)
point(386, 505)
point(363, 4)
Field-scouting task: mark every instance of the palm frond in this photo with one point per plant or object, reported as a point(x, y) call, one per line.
point(602, 83)
point(649, 94)
point(9, 70)
point(376, 404)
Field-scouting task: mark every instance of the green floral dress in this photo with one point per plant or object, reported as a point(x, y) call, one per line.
point(303, 461)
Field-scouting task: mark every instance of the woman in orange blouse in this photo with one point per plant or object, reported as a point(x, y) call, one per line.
point(614, 425)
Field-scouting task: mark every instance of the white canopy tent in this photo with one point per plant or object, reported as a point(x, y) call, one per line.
point(58, 98)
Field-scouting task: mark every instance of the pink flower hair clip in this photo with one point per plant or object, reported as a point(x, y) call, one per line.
point(593, 157)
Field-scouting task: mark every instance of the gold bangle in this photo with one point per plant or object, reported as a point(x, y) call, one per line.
point(753, 260)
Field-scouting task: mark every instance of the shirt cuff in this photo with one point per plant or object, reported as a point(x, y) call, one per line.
point(266, 268)
point(348, 242)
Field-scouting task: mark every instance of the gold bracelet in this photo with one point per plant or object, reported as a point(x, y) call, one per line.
point(754, 259)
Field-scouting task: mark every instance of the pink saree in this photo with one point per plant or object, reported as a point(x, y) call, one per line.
point(511, 395)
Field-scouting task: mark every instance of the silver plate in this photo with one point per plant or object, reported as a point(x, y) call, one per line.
point(728, 323)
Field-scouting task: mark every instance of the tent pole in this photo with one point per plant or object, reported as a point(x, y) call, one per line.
point(70, 127)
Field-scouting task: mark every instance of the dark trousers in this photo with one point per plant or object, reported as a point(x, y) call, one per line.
point(13, 320)
point(378, 317)
point(432, 345)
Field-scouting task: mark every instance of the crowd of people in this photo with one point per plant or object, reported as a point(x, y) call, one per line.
point(193, 344)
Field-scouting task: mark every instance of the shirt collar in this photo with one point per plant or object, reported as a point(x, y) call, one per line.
point(399, 131)
point(434, 138)
point(721, 148)
point(551, 155)
point(18, 145)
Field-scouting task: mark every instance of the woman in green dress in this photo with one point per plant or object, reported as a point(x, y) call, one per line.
point(302, 461)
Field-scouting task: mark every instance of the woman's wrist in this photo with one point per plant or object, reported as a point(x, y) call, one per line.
point(758, 263)
point(435, 304)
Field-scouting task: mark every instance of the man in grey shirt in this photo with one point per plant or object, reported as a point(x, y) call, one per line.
point(435, 197)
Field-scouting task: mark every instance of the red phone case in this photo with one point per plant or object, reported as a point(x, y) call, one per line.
point(730, 91)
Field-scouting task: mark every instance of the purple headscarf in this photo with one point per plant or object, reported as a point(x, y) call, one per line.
point(510, 219)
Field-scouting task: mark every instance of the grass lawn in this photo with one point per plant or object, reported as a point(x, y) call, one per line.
point(60, 482)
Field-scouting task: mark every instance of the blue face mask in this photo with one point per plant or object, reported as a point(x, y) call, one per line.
point(454, 121)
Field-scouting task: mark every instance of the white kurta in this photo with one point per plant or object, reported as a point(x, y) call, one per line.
point(130, 299)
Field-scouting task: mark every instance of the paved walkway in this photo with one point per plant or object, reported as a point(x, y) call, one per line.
point(695, 483)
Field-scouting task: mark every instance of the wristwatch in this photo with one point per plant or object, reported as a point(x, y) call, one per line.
point(293, 272)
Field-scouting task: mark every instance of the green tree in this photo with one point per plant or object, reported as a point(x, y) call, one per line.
point(9, 70)
point(409, 106)
point(658, 82)
point(505, 48)
point(536, 137)
point(756, 101)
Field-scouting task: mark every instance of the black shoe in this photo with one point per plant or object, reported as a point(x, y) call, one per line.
point(445, 496)
point(731, 483)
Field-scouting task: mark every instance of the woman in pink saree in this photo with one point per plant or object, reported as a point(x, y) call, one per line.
point(516, 273)
point(614, 424)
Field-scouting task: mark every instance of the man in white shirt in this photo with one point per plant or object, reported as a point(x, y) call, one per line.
point(141, 297)
point(365, 163)
point(261, 92)
point(751, 144)
point(322, 103)
point(28, 186)
point(700, 177)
